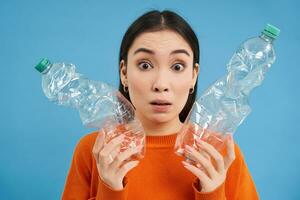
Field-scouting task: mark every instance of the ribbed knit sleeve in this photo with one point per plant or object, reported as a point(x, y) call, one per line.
point(238, 183)
point(78, 183)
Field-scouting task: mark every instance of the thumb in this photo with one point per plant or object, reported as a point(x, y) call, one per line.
point(230, 153)
point(99, 142)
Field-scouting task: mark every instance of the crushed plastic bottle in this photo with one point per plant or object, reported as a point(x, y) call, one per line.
point(99, 104)
point(224, 105)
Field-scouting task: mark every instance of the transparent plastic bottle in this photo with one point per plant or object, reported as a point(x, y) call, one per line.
point(224, 105)
point(99, 104)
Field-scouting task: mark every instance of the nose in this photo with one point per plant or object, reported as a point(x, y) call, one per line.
point(160, 83)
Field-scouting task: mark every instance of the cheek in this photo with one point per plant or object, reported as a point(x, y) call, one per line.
point(181, 92)
point(137, 88)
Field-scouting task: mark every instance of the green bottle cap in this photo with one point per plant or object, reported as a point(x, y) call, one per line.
point(271, 31)
point(42, 65)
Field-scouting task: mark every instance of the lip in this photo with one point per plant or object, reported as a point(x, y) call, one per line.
point(160, 108)
point(164, 107)
point(160, 101)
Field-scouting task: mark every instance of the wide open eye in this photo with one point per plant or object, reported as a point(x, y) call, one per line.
point(144, 65)
point(178, 67)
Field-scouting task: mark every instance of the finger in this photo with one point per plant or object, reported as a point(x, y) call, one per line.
point(98, 144)
point(216, 155)
point(112, 155)
point(230, 153)
point(110, 151)
point(126, 168)
point(111, 146)
point(124, 156)
point(205, 155)
point(197, 172)
point(198, 157)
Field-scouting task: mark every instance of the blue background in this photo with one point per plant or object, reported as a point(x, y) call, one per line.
point(38, 138)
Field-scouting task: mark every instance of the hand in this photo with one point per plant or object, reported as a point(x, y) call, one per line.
point(212, 176)
point(109, 158)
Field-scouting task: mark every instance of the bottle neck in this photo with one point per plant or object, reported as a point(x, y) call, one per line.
point(47, 69)
point(266, 38)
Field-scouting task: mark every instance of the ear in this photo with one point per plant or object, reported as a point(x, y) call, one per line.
point(123, 72)
point(195, 74)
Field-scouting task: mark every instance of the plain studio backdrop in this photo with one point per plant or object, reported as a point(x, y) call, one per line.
point(38, 138)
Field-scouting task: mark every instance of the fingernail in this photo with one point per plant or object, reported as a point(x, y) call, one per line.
point(200, 142)
point(121, 137)
point(138, 148)
point(188, 147)
point(184, 163)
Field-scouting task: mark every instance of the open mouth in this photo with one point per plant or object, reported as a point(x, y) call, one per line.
point(160, 104)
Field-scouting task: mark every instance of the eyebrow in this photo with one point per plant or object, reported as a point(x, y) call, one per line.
point(152, 52)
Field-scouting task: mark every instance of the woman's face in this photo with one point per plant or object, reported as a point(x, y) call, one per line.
point(159, 70)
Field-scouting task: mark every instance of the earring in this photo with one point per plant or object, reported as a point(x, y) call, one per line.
point(191, 90)
point(125, 88)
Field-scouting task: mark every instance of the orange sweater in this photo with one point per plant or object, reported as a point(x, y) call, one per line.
point(160, 175)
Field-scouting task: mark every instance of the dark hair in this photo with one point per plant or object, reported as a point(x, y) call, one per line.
point(155, 21)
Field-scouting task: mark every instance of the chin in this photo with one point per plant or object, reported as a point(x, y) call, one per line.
point(161, 118)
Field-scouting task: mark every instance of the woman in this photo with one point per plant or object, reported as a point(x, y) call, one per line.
point(159, 64)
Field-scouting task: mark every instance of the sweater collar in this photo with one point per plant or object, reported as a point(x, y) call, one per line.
point(161, 140)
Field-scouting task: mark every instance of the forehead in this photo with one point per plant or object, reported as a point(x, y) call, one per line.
point(160, 41)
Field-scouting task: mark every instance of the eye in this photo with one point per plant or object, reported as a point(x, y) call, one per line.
point(178, 67)
point(144, 65)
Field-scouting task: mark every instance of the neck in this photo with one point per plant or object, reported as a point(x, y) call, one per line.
point(154, 128)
